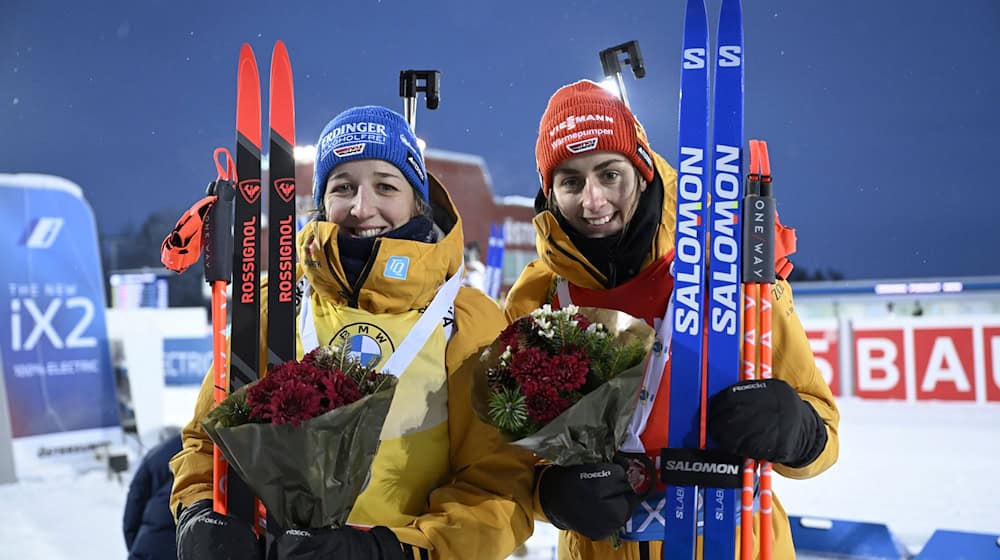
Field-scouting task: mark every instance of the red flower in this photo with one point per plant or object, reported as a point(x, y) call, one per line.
point(294, 403)
point(294, 392)
point(569, 369)
point(509, 337)
point(544, 403)
point(528, 364)
point(339, 390)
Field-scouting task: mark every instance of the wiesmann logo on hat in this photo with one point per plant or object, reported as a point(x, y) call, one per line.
point(573, 120)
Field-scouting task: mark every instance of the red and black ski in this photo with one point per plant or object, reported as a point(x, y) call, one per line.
point(281, 212)
point(245, 305)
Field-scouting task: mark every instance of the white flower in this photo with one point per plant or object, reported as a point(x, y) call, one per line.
point(543, 310)
point(506, 356)
point(571, 309)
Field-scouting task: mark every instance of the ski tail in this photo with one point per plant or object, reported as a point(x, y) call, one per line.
point(687, 356)
point(721, 515)
point(281, 212)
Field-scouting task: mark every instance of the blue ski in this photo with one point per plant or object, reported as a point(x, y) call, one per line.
point(687, 358)
point(721, 513)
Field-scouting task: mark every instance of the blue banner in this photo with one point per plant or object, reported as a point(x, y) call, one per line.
point(186, 360)
point(53, 340)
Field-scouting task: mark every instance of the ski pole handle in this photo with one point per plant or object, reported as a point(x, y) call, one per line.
point(611, 64)
point(410, 84)
point(218, 235)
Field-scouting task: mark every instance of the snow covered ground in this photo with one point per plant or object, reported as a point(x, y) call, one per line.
point(915, 467)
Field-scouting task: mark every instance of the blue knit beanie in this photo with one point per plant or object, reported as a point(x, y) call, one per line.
point(369, 132)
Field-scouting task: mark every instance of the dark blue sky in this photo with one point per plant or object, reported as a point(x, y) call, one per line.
point(881, 116)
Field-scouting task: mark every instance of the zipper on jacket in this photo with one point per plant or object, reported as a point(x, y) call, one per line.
point(355, 293)
point(586, 266)
point(345, 290)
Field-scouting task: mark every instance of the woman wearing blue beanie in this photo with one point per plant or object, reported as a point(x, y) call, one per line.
point(381, 265)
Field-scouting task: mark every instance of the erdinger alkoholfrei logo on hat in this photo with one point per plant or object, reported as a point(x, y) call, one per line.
point(350, 135)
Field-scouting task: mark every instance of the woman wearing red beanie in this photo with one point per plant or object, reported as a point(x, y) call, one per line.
point(605, 223)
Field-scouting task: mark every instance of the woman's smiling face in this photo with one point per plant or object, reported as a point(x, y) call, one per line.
point(368, 197)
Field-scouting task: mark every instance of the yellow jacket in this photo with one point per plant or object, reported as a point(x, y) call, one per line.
point(482, 506)
point(793, 359)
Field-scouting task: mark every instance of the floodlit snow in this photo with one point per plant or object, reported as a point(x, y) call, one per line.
point(915, 467)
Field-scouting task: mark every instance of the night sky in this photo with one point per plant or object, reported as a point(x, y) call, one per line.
point(881, 116)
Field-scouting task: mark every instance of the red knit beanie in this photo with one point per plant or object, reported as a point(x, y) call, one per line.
point(584, 117)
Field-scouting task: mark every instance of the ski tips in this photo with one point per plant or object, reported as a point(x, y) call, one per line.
point(696, 11)
point(279, 50)
point(282, 94)
point(248, 97)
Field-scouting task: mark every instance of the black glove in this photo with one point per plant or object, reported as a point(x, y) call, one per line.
point(594, 500)
point(766, 419)
point(203, 534)
point(379, 543)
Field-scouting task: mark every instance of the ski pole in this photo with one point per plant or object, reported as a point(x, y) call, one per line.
point(611, 64)
point(759, 275)
point(218, 250)
point(766, 529)
point(750, 293)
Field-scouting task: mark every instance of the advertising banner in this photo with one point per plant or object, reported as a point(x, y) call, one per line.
point(953, 358)
point(60, 387)
point(186, 360)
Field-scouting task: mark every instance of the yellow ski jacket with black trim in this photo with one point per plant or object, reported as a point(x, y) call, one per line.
point(793, 359)
point(482, 506)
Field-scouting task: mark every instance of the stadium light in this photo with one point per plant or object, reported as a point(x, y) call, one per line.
point(305, 153)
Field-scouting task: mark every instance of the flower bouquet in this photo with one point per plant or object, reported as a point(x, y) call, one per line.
point(565, 383)
point(304, 436)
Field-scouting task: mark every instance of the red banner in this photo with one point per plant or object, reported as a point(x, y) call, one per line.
point(824, 341)
point(879, 368)
point(944, 363)
point(916, 359)
point(991, 344)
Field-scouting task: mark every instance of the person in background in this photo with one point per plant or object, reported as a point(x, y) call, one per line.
point(605, 223)
point(443, 484)
point(475, 270)
point(147, 525)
